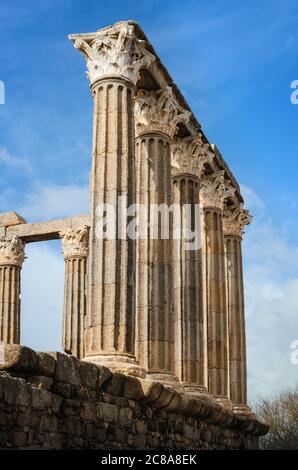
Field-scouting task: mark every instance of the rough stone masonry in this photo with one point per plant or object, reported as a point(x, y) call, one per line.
point(154, 332)
point(55, 401)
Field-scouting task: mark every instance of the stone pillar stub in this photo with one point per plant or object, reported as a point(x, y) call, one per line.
point(75, 251)
point(12, 256)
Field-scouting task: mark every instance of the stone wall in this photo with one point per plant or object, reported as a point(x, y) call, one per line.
point(55, 401)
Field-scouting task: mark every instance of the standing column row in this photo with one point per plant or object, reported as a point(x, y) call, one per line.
point(157, 116)
point(11, 259)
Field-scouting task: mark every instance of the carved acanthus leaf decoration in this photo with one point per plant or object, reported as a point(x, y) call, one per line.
point(235, 219)
point(114, 52)
point(159, 111)
point(75, 242)
point(12, 251)
point(190, 156)
point(215, 189)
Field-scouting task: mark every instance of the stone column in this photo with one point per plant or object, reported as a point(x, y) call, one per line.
point(157, 116)
point(11, 260)
point(235, 218)
point(75, 251)
point(114, 58)
point(214, 190)
point(189, 157)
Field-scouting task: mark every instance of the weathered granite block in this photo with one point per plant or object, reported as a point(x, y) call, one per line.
point(124, 412)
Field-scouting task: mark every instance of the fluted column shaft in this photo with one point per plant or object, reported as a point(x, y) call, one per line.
point(235, 219)
point(114, 57)
point(110, 323)
point(75, 251)
point(187, 287)
point(154, 268)
point(157, 114)
point(217, 321)
point(11, 259)
point(235, 304)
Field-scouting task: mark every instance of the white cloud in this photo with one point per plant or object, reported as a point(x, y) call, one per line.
point(48, 202)
point(271, 288)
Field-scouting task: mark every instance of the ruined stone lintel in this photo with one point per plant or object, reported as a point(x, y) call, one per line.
point(12, 256)
point(42, 231)
point(75, 250)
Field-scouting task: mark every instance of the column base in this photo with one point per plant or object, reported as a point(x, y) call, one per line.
point(197, 391)
point(243, 410)
point(224, 401)
point(169, 380)
point(118, 363)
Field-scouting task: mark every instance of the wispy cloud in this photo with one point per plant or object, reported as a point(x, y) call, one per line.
point(9, 160)
point(49, 202)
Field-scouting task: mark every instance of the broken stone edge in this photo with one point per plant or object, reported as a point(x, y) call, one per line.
point(68, 376)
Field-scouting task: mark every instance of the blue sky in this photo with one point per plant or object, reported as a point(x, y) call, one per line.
point(234, 62)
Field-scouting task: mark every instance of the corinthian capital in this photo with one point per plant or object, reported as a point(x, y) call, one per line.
point(12, 251)
point(115, 51)
point(235, 219)
point(190, 156)
point(215, 189)
point(75, 242)
point(158, 111)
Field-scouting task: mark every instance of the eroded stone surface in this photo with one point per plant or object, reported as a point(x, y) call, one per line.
point(122, 412)
point(8, 219)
